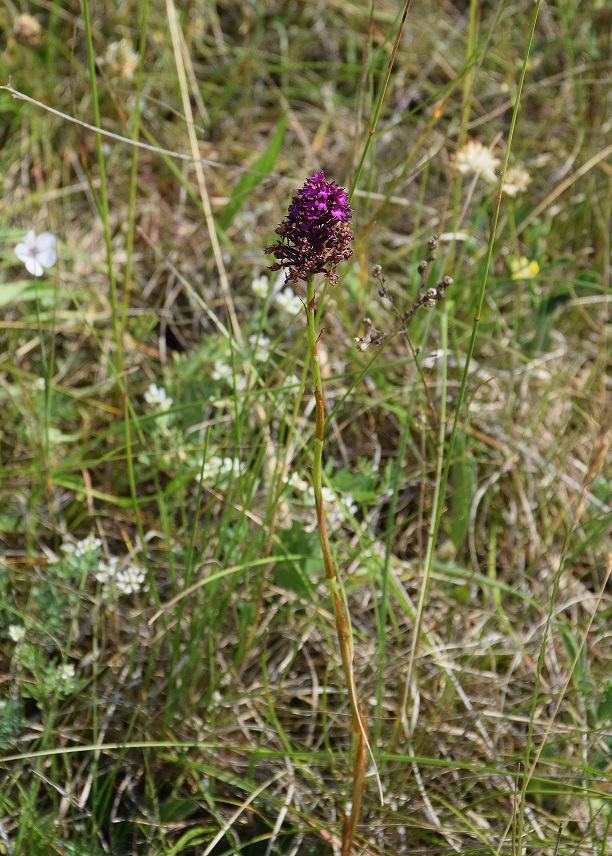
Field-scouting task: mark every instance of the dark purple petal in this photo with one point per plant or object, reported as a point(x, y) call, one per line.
point(315, 235)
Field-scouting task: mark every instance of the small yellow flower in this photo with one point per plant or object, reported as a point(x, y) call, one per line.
point(523, 268)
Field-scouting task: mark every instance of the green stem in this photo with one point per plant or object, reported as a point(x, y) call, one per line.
point(127, 286)
point(358, 724)
point(431, 540)
point(380, 100)
point(103, 208)
point(317, 466)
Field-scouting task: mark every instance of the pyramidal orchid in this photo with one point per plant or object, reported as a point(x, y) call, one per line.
point(315, 235)
point(314, 238)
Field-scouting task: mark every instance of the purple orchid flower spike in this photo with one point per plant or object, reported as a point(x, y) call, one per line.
point(315, 235)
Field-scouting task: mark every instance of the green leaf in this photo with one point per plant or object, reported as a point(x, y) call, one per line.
point(463, 479)
point(604, 708)
point(556, 297)
point(296, 575)
point(580, 672)
point(25, 289)
point(12, 522)
point(260, 169)
point(190, 840)
point(177, 809)
point(544, 317)
point(568, 641)
point(358, 484)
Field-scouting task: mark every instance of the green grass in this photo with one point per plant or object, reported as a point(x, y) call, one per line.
point(207, 711)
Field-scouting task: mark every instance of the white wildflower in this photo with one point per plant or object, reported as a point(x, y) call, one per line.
point(27, 30)
point(288, 302)
point(157, 395)
point(260, 287)
point(107, 570)
point(292, 385)
point(516, 180)
point(87, 546)
point(211, 469)
point(130, 580)
point(335, 512)
point(122, 580)
point(347, 501)
point(232, 467)
point(216, 468)
point(223, 371)
point(474, 158)
point(39, 384)
point(298, 484)
point(37, 252)
point(17, 633)
point(65, 673)
point(121, 58)
point(261, 345)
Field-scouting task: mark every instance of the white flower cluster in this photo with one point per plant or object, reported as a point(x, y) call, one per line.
point(27, 29)
point(298, 484)
point(157, 396)
point(120, 58)
point(223, 371)
point(87, 547)
point(516, 180)
point(292, 385)
point(475, 158)
point(65, 675)
point(126, 580)
point(288, 302)
point(261, 345)
point(283, 298)
point(335, 513)
point(219, 468)
point(16, 633)
point(260, 287)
